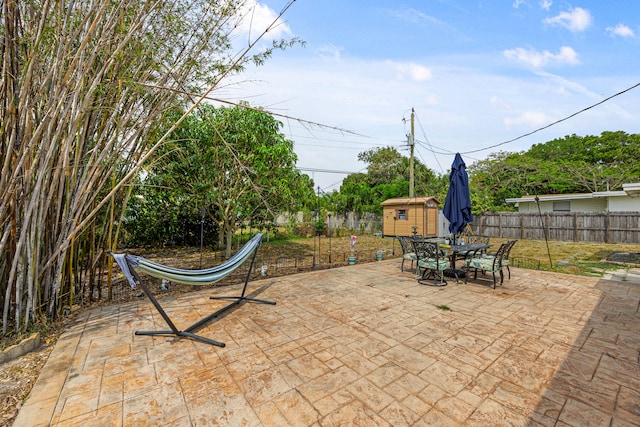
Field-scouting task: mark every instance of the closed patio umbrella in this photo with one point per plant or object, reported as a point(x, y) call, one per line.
point(457, 205)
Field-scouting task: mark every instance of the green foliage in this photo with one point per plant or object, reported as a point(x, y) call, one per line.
point(319, 226)
point(438, 187)
point(89, 84)
point(572, 164)
point(231, 162)
point(159, 219)
point(387, 177)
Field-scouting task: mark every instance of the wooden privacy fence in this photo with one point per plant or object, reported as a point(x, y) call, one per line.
point(599, 227)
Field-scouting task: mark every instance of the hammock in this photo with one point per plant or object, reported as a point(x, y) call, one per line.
point(129, 264)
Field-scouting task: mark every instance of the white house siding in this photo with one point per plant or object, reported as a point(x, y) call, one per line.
point(596, 204)
point(624, 204)
point(589, 205)
point(532, 207)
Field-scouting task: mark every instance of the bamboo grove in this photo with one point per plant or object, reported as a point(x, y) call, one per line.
point(85, 86)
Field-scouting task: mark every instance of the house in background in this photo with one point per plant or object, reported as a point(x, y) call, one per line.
point(410, 215)
point(627, 200)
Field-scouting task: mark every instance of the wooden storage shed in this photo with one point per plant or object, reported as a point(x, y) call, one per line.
point(403, 216)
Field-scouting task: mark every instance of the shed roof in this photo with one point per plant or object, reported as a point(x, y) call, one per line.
point(410, 201)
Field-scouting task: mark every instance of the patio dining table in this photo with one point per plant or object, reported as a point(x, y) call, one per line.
point(464, 250)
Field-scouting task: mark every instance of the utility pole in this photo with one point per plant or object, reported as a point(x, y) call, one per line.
point(412, 145)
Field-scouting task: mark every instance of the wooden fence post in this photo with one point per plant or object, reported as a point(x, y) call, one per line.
point(606, 227)
point(548, 218)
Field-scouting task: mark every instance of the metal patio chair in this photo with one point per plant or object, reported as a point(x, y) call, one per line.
point(407, 250)
point(431, 262)
point(493, 263)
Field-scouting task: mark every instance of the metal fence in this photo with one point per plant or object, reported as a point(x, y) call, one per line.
point(597, 227)
point(264, 267)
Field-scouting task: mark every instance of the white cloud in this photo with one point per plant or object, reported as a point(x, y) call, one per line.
point(330, 52)
point(423, 20)
point(529, 118)
point(418, 73)
point(538, 59)
point(416, 16)
point(575, 20)
point(518, 3)
point(431, 99)
point(500, 103)
point(257, 17)
point(546, 4)
point(620, 30)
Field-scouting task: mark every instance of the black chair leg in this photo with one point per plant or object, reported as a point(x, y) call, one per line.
point(426, 276)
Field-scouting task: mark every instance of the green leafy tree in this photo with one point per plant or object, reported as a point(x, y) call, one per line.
point(572, 164)
point(231, 162)
point(590, 163)
point(501, 175)
point(84, 85)
point(384, 165)
point(438, 187)
point(387, 177)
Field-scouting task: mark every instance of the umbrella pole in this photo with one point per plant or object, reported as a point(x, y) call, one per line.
point(544, 228)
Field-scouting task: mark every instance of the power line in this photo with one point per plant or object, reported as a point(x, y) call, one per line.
point(339, 182)
point(343, 140)
point(246, 106)
point(556, 122)
point(430, 148)
point(325, 170)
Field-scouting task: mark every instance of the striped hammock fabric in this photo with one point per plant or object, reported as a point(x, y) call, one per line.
point(187, 277)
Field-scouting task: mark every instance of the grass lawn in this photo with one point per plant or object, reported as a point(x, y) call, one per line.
point(576, 258)
point(566, 257)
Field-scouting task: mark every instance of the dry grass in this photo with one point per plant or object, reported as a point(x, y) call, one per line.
point(575, 258)
point(566, 257)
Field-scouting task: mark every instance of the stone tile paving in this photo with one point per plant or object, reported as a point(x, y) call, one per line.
point(359, 345)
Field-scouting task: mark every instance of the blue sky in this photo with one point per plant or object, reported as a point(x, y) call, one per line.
point(477, 74)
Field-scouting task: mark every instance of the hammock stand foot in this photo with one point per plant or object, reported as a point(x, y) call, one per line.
point(188, 331)
point(183, 334)
point(256, 300)
point(250, 250)
point(174, 330)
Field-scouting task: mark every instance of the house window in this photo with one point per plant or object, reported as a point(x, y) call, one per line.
point(402, 214)
point(564, 206)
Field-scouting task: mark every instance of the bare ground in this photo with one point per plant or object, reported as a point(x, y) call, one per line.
point(18, 376)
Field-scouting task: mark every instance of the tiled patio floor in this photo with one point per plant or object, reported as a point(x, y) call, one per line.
point(362, 345)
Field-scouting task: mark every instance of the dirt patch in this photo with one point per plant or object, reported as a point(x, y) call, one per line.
point(18, 376)
point(625, 257)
